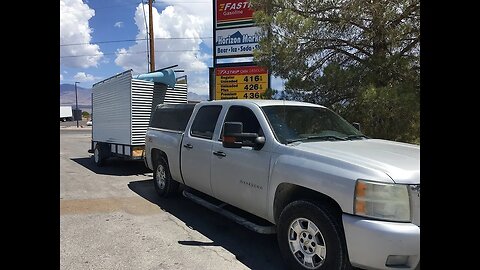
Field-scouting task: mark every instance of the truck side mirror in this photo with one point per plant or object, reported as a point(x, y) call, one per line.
point(233, 137)
point(356, 125)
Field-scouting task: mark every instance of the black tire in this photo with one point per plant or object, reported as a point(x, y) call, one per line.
point(310, 243)
point(162, 180)
point(99, 155)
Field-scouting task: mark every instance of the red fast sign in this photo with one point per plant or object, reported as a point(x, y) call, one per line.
point(233, 10)
point(249, 70)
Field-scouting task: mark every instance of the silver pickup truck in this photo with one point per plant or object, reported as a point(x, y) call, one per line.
point(335, 197)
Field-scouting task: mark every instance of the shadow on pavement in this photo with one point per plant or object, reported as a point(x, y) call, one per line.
point(256, 251)
point(115, 166)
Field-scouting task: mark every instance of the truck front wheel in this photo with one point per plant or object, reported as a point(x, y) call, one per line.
point(163, 182)
point(309, 237)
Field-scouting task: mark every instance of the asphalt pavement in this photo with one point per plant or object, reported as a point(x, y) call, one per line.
point(111, 218)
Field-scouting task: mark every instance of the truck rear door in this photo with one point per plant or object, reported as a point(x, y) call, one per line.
point(196, 149)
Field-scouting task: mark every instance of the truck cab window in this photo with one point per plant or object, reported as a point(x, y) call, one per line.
point(205, 121)
point(246, 116)
point(172, 116)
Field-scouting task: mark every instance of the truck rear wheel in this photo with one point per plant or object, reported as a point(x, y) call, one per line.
point(162, 180)
point(99, 155)
point(309, 237)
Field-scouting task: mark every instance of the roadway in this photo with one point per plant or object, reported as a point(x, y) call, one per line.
point(111, 218)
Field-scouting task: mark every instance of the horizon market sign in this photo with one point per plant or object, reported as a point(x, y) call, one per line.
point(233, 13)
point(237, 42)
point(249, 82)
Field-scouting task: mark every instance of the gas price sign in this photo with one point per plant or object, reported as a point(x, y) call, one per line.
point(248, 82)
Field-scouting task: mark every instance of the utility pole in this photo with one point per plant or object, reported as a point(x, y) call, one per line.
point(150, 30)
point(76, 102)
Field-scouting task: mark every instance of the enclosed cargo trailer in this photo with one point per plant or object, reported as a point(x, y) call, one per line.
point(122, 106)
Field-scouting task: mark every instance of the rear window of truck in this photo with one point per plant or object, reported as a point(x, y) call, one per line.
point(205, 121)
point(172, 116)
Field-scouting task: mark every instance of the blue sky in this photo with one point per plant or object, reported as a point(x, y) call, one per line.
point(92, 35)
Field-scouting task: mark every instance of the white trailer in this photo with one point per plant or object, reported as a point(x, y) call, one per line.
point(66, 113)
point(122, 106)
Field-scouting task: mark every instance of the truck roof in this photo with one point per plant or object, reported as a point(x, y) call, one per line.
point(264, 102)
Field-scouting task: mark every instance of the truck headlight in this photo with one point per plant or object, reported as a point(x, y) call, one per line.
point(382, 201)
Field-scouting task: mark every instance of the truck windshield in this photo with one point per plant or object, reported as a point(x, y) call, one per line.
point(302, 123)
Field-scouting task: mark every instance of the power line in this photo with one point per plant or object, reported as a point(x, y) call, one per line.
point(190, 2)
point(136, 4)
point(187, 2)
point(98, 54)
point(125, 40)
point(114, 6)
point(100, 42)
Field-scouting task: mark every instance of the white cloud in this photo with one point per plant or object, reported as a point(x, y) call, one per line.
point(74, 29)
point(172, 22)
point(84, 77)
point(118, 24)
point(198, 84)
point(277, 83)
point(202, 11)
point(205, 57)
point(61, 77)
point(189, 22)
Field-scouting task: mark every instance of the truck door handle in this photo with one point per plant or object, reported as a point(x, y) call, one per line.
point(220, 154)
point(189, 146)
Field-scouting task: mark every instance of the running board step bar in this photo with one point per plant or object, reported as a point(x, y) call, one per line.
point(240, 220)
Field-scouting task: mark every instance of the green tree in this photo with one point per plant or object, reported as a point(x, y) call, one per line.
point(85, 114)
point(359, 57)
point(388, 112)
point(269, 93)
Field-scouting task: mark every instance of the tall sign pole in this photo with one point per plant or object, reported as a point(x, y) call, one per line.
point(150, 30)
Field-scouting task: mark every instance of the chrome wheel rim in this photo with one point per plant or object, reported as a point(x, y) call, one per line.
point(96, 155)
point(160, 177)
point(306, 243)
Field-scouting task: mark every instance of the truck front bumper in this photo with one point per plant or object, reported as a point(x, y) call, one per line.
point(375, 244)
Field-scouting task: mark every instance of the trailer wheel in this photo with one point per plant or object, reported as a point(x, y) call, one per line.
point(99, 155)
point(162, 180)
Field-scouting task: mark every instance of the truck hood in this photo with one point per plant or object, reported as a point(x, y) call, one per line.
point(400, 161)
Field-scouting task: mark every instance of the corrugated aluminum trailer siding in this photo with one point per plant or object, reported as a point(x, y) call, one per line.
point(142, 106)
point(164, 95)
point(111, 109)
point(145, 97)
point(176, 95)
point(122, 107)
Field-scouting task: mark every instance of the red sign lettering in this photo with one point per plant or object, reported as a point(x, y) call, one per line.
point(250, 70)
point(233, 10)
